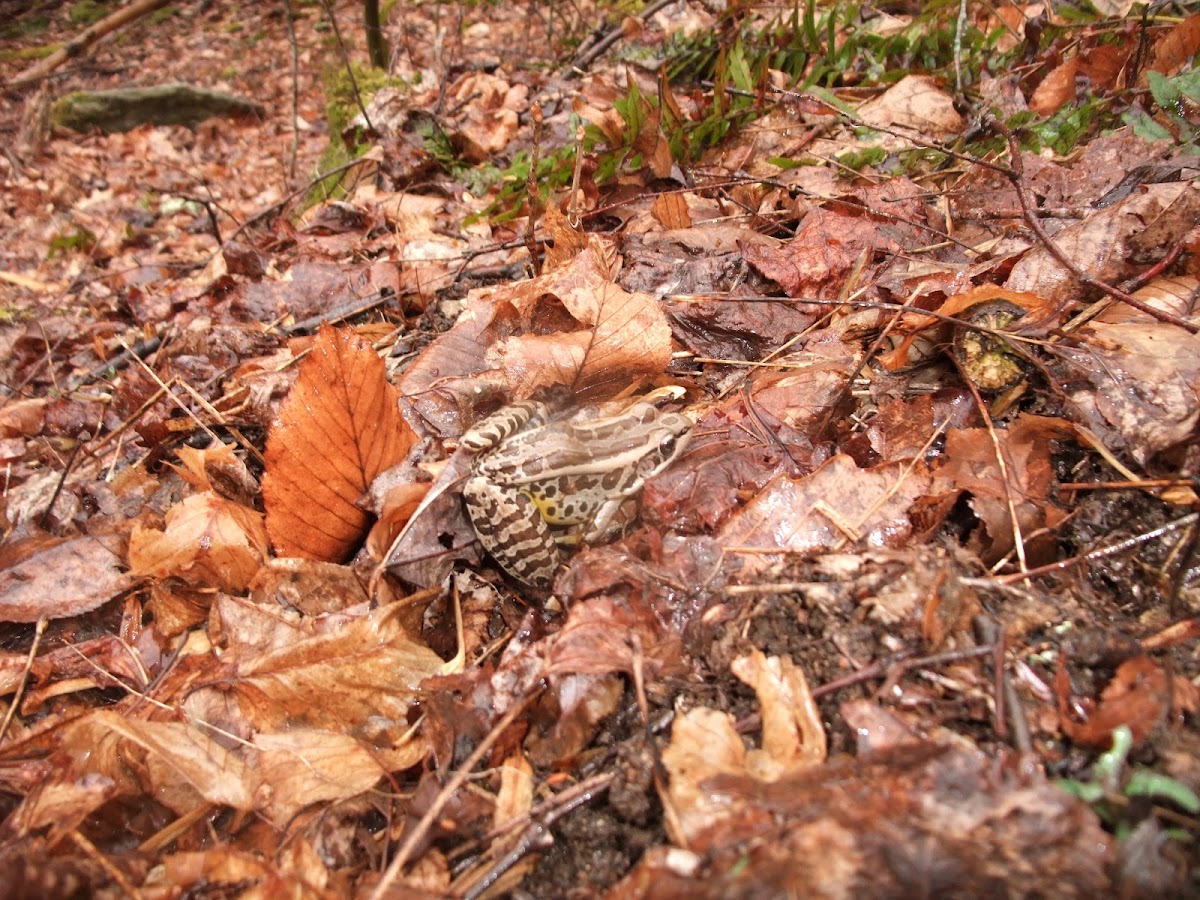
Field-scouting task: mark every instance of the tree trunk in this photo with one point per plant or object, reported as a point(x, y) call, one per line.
point(377, 47)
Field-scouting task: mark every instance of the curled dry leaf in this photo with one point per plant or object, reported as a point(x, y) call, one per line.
point(1142, 387)
point(705, 744)
point(219, 469)
point(572, 326)
point(793, 735)
point(1140, 696)
point(338, 428)
point(207, 541)
point(49, 578)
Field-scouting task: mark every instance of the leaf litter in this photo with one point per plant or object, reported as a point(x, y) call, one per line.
point(929, 555)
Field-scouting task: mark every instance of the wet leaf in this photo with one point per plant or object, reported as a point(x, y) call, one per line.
point(207, 541)
point(52, 578)
point(339, 427)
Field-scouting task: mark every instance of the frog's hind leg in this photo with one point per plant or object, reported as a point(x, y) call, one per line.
point(511, 528)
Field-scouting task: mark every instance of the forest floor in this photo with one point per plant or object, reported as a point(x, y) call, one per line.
point(902, 595)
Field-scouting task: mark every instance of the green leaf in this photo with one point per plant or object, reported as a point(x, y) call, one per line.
point(1144, 783)
point(1087, 791)
point(1145, 127)
point(1163, 90)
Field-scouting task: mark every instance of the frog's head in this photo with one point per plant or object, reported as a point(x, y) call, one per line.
point(667, 438)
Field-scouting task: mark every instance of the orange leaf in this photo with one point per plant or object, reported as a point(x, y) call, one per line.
point(338, 428)
point(1175, 50)
point(208, 541)
point(1056, 89)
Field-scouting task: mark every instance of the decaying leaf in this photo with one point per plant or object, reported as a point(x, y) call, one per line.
point(1142, 385)
point(1140, 696)
point(339, 427)
point(51, 578)
point(207, 541)
point(837, 504)
point(704, 743)
point(572, 326)
point(366, 666)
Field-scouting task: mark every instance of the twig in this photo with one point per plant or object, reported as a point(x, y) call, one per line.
point(141, 350)
point(537, 834)
point(38, 631)
point(1101, 553)
point(457, 780)
point(85, 39)
point(295, 45)
point(89, 850)
point(581, 62)
point(337, 33)
point(532, 192)
point(342, 312)
point(44, 518)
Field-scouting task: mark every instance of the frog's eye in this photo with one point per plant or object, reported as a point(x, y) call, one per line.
point(667, 445)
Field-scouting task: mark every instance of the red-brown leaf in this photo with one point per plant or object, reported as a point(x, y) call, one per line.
point(338, 428)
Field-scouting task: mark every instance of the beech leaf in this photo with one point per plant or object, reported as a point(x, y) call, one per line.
point(338, 428)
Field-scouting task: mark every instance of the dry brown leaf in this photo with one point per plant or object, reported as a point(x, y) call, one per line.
point(177, 607)
point(837, 503)
point(915, 101)
point(218, 468)
point(514, 800)
point(568, 241)
point(23, 418)
point(364, 667)
point(833, 240)
point(178, 764)
point(1028, 447)
point(225, 869)
point(308, 586)
point(338, 428)
point(1142, 390)
point(207, 541)
point(51, 578)
point(1056, 90)
point(793, 735)
point(1176, 50)
point(704, 743)
point(303, 766)
point(671, 211)
point(1178, 295)
point(490, 108)
point(939, 810)
point(1104, 244)
point(1140, 696)
point(572, 327)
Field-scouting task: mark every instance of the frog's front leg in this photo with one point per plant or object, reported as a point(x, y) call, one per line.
point(511, 528)
point(613, 517)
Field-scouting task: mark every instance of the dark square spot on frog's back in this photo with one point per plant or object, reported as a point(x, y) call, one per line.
point(612, 480)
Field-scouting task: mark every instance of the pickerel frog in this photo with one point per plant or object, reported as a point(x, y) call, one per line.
point(535, 485)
